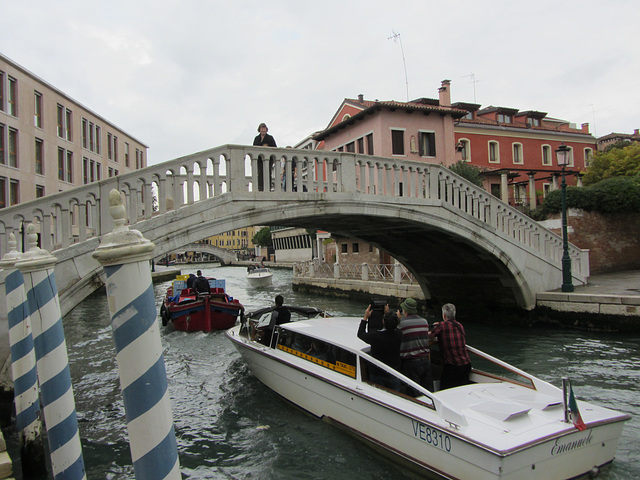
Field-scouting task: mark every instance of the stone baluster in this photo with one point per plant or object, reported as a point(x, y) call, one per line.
point(124, 254)
point(52, 362)
point(23, 368)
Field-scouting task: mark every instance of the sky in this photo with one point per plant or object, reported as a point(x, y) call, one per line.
point(184, 76)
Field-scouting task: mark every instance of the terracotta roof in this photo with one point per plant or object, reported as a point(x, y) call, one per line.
point(370, 107)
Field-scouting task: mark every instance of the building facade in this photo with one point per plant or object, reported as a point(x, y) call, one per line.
point(239, 240)
point(514, 149)
point(50, 143)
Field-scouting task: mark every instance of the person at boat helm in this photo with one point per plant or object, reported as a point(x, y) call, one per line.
point(191, 280)
point(385, 346)
point(280, 315)
point(453, 345)
point(414, 350)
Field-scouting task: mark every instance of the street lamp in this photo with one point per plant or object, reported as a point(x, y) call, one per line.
point(562, 154)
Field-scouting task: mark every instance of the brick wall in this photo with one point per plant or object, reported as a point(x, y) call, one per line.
point(613, 240)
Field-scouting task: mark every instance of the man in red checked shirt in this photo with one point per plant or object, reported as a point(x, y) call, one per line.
point(453, 345)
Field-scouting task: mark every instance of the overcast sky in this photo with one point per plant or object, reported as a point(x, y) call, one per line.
point(186, 75)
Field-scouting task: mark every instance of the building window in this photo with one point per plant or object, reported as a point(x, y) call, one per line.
point(397, 142)
point(570, 163)
point(39, 191)
point(505, 118)
point(14, 192)
point(344, 247)
point(464, 146)
point(351, 147)
point(61, 164)
point(3, 158)
point(69, 168)
point(534, 122)
point(39, 156)
point(115, 148)
point(346, 117)
point(91, 144)
point(370, 144)
point(494, 152)
point(427, 144)
point(355, 247)
point(37, 109)
point(85, 133)
point(588, 156)
point(126, 154)
point(1, 92)
point(360, 145)
point(517, 154)
point(546, 155)
point(109, 146)
point(85, 170)
point(13, 148)
point(3, 192)
point(60, 118)
point(67, 125)
point(98, 133)
point(13, 97)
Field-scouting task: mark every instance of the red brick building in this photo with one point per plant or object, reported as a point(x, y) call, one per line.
point(515, 149)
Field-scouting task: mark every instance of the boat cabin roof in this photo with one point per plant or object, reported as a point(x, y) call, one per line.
point(339, 331)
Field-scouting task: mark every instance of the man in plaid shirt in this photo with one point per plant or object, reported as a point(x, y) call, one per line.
point(453, 346)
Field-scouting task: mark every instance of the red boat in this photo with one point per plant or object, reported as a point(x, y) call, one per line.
point(199, 309)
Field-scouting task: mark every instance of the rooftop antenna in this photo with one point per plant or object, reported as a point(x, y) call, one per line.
point(396, 38)
point(474, 81)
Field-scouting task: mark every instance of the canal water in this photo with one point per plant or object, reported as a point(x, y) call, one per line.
point(229, 426)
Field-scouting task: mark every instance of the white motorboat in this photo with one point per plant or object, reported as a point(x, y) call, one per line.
point(506, 424)
point(260, 277)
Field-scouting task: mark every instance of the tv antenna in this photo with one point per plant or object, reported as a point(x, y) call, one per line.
point(474, 81)
point(396, 38)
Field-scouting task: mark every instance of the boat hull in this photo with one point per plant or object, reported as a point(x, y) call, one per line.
point(419, 437)
point(260, 280)
point(203, 316)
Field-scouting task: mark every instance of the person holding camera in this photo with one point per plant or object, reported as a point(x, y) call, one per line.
point(385, 346)
point(414, 350)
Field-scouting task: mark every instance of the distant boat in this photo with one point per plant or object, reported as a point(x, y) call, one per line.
point(505, 425)
point(260, 277)
point(204, 307)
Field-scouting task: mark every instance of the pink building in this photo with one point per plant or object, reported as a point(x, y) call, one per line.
point(515, 149)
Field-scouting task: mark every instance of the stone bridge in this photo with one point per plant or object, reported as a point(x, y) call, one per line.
point(225, 256)
point(461, 243)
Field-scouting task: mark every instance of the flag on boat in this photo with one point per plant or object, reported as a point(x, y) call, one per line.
point(576, 418)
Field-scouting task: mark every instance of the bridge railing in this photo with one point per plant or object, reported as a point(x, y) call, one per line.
point(78, 214)
point(391, 273)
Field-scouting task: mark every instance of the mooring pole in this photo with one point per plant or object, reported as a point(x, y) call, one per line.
point(124, 255)
point(23, 367)
point(52, 362)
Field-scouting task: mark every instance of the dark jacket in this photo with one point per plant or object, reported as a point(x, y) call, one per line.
point(268, 141)
point(385, 344)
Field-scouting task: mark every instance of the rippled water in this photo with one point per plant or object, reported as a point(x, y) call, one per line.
point(228, 425)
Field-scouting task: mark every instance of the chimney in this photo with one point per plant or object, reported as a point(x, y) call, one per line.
point(445, 94)
point(585, 128)
point(361, 98)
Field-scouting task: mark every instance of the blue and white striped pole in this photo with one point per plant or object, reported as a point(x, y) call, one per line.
point(23, 367)
point(52, 362)
point(124, 255)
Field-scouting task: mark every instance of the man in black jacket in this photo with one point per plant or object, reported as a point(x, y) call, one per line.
point(263, 139)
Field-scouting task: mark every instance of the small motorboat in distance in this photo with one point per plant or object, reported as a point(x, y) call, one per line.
point(203, 307)
point(506, 424)
point(260, 277)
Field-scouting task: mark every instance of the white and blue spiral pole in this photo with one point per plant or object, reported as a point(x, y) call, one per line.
point(23, 367)
point(124, 255)
point(52, 362)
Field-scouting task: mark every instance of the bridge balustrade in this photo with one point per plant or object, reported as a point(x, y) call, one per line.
point(81, 213)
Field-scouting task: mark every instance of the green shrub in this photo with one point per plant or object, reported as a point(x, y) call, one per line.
point(613, 195)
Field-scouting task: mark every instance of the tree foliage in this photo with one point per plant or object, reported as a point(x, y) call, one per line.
point(468, 172)
point(263, 237)
point(613, 195)
point(614, 162)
